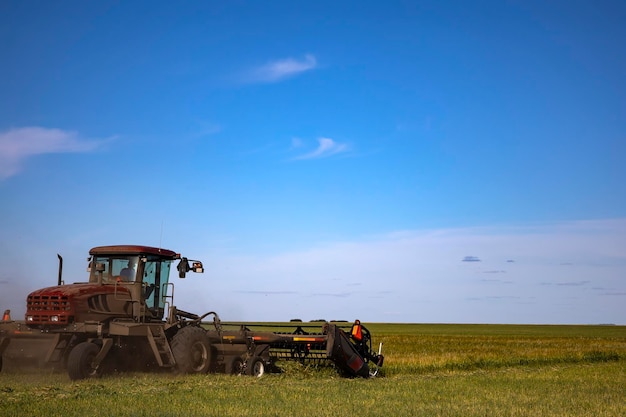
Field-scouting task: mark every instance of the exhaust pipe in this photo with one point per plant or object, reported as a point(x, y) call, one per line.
point(60, 269)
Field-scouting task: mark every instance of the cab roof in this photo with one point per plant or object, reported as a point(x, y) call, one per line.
point(133, 250)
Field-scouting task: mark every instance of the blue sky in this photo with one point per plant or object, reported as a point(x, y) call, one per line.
point(393, 161)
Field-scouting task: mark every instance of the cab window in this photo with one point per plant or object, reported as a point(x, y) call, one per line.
point(155, 277)
point(115, 269)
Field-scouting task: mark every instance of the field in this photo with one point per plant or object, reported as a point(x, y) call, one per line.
point(430, 370)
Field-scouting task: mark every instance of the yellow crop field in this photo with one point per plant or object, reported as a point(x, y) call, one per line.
point(430, 370)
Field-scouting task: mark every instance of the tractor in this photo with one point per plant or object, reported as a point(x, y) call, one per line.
point(124, 318)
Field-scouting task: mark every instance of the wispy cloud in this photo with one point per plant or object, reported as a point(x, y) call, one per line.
point(496, 281)
point(470, 259)
point(208, 128)
point(281, 69)
point(17, 145)
point(572, 283)
point(337, 295)
point(266, 292)
point(296, 143)
point(326, 147)
point(566, 283)
point(397, 268)
point(494, 297)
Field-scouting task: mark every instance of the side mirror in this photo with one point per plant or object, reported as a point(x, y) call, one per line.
point(183, 268)
point(197, 267)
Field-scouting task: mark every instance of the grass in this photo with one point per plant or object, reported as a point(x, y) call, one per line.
point(418, 349)
point(430, 370)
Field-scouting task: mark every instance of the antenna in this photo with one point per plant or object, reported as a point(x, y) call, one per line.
point(161, 236)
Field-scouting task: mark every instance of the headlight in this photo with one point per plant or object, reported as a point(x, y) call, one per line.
point(54, 318)
point(29, 318)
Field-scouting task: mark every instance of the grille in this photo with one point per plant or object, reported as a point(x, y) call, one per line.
point(40, 309)
point(48, 303)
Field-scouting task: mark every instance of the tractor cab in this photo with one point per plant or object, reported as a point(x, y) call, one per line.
point(141, 271)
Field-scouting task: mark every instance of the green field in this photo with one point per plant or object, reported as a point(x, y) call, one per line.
point(430, 370)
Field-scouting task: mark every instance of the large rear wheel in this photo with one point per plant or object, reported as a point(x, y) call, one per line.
point(80, 361)
point(192, 350)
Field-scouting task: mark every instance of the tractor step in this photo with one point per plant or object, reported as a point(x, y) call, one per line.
point(59, 348)
point(160, 346)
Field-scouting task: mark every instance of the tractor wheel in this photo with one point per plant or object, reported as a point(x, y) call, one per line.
point(255, 367)
point(79, 362)
point(0, 363)
point(234, 366)
point(192, 350)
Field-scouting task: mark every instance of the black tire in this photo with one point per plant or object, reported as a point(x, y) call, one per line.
point(234, 366)
point(255, 367)
point(0, 363)
point(192, 350)
point(80, 359)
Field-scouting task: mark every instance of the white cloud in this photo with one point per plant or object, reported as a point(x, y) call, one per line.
point(326, 147)
point(418, 275)
point(208, 128)
point(17, 145)
point(296, 143)
point(278, 70)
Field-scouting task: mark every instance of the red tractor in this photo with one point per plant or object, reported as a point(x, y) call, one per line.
point(124, 318)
